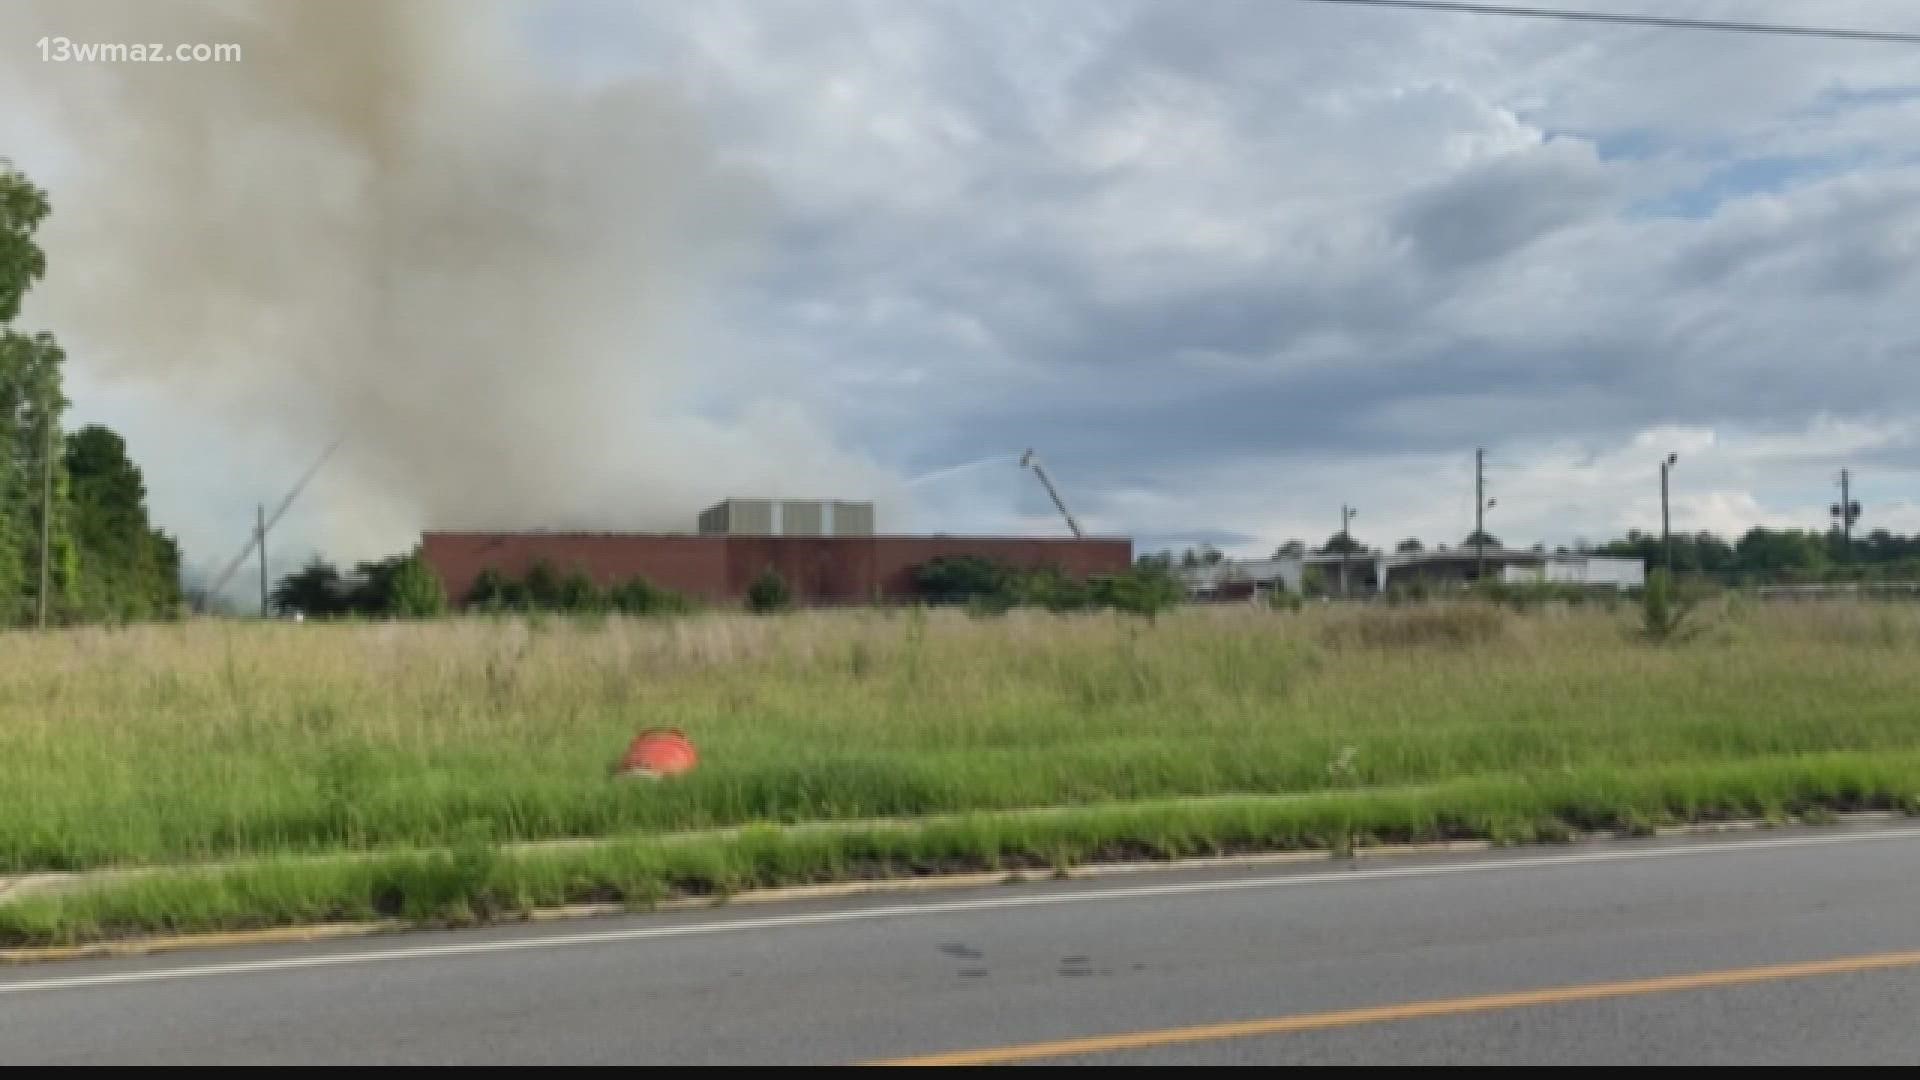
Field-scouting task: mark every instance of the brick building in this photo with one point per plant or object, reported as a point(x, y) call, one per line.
point(717, 568)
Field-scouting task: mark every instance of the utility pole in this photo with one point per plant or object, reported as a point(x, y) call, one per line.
point(1479, 512)
point(260, 534)
point(1666, 529)
point(1346, 543)
point(46, 504)
point(1846, 512)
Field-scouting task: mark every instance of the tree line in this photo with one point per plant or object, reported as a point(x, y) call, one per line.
point(1758, 556)
point(403, 586)
point(79, 495)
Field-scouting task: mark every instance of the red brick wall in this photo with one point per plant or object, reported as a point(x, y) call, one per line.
point(826, 569)
point(819, 569)
point(895, 557)
point(695, 565)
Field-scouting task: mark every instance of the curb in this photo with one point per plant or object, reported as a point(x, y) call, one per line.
point(298, 935)
point(280, 935)
point(46, 882)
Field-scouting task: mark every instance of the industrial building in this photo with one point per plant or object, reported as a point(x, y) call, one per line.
point(1370, 573)
point(826, 551)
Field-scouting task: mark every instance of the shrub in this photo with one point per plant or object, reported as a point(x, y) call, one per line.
point(1051, 589)
point(769, 593)
point(1143, 590)
point(577, 593)
point(639, 596)
point(416, 591)
point(492, 590)
point(1284, 599)
point(987, 587)
point(542, 586)
point(1667, 605)
point(954, 579)
point(1415, 591)
point(988, 604)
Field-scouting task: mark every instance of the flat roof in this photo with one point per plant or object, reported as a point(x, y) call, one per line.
point(574, 534)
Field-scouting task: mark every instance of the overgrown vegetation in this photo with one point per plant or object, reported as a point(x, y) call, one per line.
point(1666, 606)
point(546, 589)
point(988, 586)
point(405, 587)
point(106, 563)
point(203, 740)
point(1522, 595)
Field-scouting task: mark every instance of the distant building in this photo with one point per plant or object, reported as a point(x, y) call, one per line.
point(787, 517)
point(1369, 573)
point(827, 552)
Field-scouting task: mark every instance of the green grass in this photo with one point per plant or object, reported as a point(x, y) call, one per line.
point(474, 882)
point(214, 740)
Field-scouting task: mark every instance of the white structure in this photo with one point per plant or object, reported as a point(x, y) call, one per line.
point(1580, 570)
point(1371, 572)
point(1205, 582)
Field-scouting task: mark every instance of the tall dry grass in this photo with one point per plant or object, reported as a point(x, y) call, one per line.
point(211, 738)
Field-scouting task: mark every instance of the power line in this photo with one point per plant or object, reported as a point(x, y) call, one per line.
point(1666, 22)
point(260, 532)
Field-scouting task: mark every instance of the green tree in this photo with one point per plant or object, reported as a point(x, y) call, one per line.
point(1410, 546)
point(129, 569)
point(30, 406)
point(1340, 542)
point(578, 593)
point(542, 586)
point(769, 593)
point(1782, 554)
point(22, 208)
point(316, 590)
point(638, 596)
point(956, 579)
point(1140, 591)
point(417, 593)
point(493, 590)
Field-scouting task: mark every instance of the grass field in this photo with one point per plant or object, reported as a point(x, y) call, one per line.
point(217, 740)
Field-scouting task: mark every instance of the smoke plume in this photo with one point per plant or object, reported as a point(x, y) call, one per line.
point(391, 221)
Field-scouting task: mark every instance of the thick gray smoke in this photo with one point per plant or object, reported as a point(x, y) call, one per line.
point(392, 222)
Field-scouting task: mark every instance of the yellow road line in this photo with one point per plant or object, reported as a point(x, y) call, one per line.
point(1419, 1010)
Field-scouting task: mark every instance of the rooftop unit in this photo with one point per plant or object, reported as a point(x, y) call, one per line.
point(787, 517)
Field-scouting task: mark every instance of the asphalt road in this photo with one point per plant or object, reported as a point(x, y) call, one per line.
point(1666, 952)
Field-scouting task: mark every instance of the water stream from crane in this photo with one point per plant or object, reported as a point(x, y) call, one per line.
point(954, 470)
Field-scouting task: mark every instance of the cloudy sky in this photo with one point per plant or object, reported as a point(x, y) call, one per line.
point(1228, 264)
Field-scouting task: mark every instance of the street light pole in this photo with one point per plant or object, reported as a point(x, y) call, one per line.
point(1479, 514)
point(1666, 528)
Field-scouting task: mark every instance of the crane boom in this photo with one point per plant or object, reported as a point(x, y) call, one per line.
point(1029, 461)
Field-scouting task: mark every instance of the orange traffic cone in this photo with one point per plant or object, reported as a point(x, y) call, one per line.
point(658, 752)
